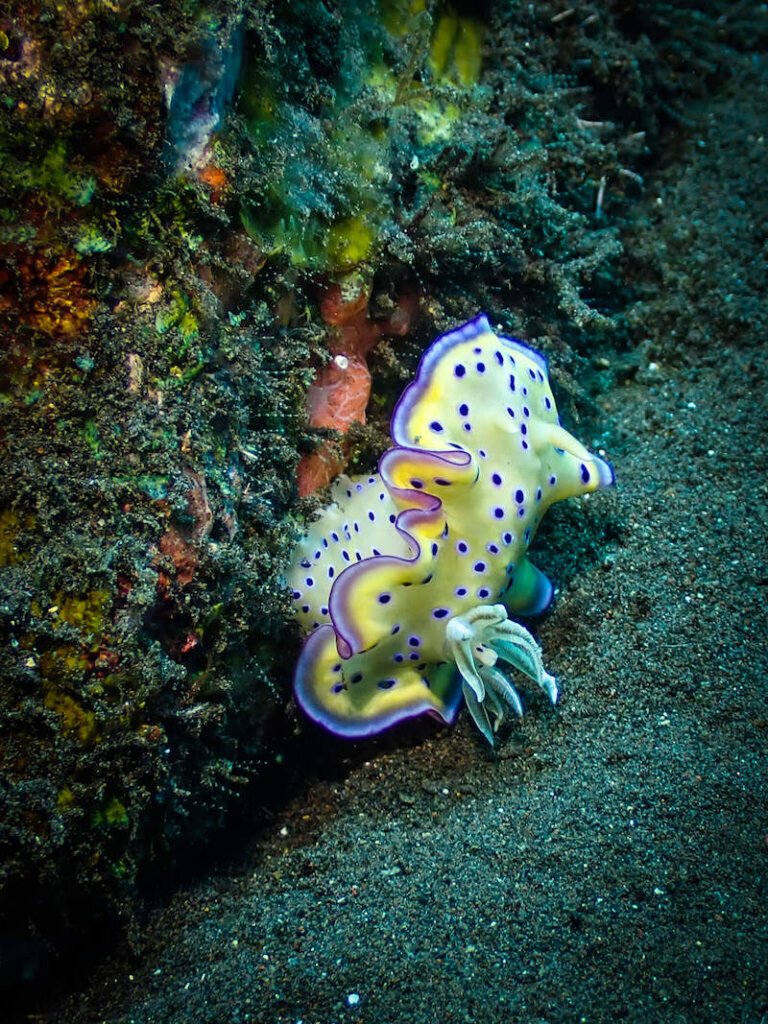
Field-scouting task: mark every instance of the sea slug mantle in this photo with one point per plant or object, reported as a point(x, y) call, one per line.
point(406, 582)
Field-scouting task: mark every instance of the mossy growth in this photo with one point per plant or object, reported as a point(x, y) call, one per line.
point(10, 523)
point(86, 612)
point(76, 721)
point(111, 813)
point(322, 198)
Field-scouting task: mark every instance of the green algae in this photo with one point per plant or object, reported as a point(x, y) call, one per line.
point(455, 53)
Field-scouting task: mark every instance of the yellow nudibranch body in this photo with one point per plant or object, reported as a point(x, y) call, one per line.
point(405, 582)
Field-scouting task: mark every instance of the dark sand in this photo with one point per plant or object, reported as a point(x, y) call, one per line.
point(611, 862)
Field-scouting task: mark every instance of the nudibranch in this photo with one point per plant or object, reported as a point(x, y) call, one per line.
point(406, 582)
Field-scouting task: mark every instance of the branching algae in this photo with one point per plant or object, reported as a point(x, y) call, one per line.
point(406, 582)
